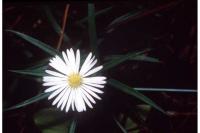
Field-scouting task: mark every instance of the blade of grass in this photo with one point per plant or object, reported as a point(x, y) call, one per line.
point(54, 24)
point(123, 18)
point(96, 14)
point(37, 73)
point(38, 65)
point(29, 101)
point(113, 63)
point(46, 48)
point(135, 58)
point(131, 91)
point(72, 126)
point(92, 28)
point(120, 126)
point(139, 14)
point(166, 90)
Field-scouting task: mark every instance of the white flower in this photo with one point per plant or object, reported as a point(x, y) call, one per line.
point(72, 85)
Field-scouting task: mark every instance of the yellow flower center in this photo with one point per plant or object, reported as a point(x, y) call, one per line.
point(75, 80)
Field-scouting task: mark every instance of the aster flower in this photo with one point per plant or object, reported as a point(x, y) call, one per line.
point(71, 84)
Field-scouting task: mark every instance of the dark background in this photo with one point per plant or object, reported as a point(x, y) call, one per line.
point(170, 30)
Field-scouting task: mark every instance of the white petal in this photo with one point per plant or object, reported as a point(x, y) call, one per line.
point(55, 87)
point(66, 58)
point(64, 99)
point(60, 68)
point(86, 100)
point(69, 101)
point(95, 80)
point(52, 78)
point(81, 100)
point(89, 66)
point(54, 83)
point(71, 58)
point(93, 89)
point(95, 85)
point(85, 63)
point(96, 69)
point(55, 73)
point(59, 61)
point(55, 93)
point(88, 95)
point(77, 60)
point(91, 93)
point(59, 96)
point(73, 100)
point(79, 103)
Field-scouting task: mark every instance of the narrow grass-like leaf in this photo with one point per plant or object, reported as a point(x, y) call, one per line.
point(123, 18)
point(120, 126)
point(92, 28)
point(141, 13)
point(96, 14)
point(29, 101)
point(145, 58)
point(115, 62)
point(131, 91)
point(72, 126)
point(54, 23)
point(38, 65)
point(166, 90)
point(135, 58)
point(33, 72)
point(48, 49)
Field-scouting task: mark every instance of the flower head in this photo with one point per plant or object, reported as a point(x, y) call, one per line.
point(71, 84)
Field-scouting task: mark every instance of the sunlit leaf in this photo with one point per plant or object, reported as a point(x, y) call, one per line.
point(29, 101)
point(131, 91)
point(48, 49)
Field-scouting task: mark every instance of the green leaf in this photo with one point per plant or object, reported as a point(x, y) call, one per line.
point(120, 126)
point(135, 58)
point(54, 24)
point(130, 124)
point(121, 59)
point(143, 111)
point(92, 28)
point(72, 126)
point(40, 71)
point(123, 18)
point(38, 65)
point(145, 58)
point(50, 120)
point(96, 14)
point(29, 101)
point(166, 90)
point(46, 48)
point(131, 91)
